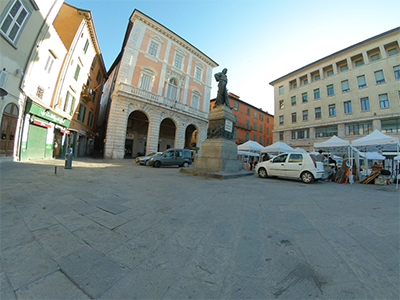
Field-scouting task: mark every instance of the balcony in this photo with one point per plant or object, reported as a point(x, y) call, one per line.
point(87, 93)
point(136, 93)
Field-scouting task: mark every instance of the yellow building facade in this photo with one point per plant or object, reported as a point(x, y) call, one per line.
point(349, 94)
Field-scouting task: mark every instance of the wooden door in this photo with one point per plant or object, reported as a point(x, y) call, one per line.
point(8, 126)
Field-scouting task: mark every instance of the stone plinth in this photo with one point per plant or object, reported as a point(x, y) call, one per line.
point(218, 152)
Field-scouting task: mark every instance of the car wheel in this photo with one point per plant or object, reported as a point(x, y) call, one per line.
point(307, 177)
point(262, 172)
point(157, 164)
point(185, 164)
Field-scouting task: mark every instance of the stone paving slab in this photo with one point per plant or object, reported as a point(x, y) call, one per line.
point(122, 231)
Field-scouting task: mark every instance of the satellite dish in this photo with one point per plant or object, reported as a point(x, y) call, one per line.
point(3, 92)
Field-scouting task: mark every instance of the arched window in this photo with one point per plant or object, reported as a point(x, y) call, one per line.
point(172, 89)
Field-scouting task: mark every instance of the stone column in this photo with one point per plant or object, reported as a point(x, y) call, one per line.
point(153, 132)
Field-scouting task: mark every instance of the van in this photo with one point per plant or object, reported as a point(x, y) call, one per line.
point(170, 157)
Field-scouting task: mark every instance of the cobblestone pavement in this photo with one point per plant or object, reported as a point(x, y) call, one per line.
point(116, 230)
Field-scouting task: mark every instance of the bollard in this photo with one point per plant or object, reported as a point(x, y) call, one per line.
point(55, 170)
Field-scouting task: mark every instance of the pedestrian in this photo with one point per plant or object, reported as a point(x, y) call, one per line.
point(320, 156)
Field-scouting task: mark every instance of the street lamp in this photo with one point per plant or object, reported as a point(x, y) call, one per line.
point(3, 92)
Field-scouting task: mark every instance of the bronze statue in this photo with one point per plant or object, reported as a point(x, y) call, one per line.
point(222, 97)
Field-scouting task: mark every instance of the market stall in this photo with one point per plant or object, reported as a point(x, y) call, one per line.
point(378, 141)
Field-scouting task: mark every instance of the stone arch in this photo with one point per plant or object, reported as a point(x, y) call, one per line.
point(9, 121)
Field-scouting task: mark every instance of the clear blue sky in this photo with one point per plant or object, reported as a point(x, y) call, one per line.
point(257, 40)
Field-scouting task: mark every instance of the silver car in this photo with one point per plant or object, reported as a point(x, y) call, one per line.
point(305, 166)
point(180, 157)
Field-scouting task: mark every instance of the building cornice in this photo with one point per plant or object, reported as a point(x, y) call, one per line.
point(138, 15)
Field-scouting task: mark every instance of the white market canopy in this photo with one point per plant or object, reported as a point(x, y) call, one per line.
point(248, 153)
point(377, 141)
point(250, 146)
point(373, 156)
point(333, 145)
point(277, 147)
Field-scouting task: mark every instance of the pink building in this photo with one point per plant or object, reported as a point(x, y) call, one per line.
point(157, 92)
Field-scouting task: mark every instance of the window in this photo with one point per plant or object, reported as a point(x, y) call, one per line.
point(247, 124)
point(146, 79)
point(260, 140)
point(344, 68)
point(255, 114)
point(347, 107)
point(281, 136)
point(317, 77)
point(267, 130)
point(235, 105)
point(330, 90)
point(90, 119)
point(267, 120)
point(261, 117)
point(317, 94)
point(281, 104)
point(364, 104)
point(236, 118)
point(248, 111)
point(85, 48)
point(396, 70)
point(300, 134)
point(318, 113)
point(361, 81)
point(153, 48)
point(390, 126)
point(15, 17)
point(261, 128)
point(326, 131)
point(172, 90)
point(305, 81)
point(49, 63)
point(304, 97)
point(254, 137)
point(254, 125)
point(293, 100)
point(379, 77)
point(305, 115)
point(332, 110)
point(345, 86)
point(359, 62)
point(198, 71)
point(247, 136)
point(295, 158)
point(392, 51)
point(69, 105)
point(195, 102)
point(281, 89)
point(375, 57)
point(294, 117)
point(77, 70)
point(82, 112)
point(178, 61)
point(98, 77)
point(358, 128)
point(280, 120)
point(383, 101)
point(234, 133)
point(329, 73)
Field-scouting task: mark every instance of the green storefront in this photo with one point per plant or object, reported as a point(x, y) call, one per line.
point(44, 134)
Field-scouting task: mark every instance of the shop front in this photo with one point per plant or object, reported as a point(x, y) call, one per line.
point(44, 134)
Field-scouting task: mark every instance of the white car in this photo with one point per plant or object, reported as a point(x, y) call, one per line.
point(305, 166)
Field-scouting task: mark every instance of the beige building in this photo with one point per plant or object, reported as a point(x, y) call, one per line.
point(157, 92)
point(349, 94)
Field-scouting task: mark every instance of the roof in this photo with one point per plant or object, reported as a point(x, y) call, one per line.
point(338, 52)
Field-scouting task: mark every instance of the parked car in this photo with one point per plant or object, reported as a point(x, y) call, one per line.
point(305, 166)
point(180, 157)
point(144, 159)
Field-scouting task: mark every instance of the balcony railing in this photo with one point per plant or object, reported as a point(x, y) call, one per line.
point(87, 93)
point(145, 96)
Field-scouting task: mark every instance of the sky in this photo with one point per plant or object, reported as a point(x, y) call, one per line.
point(258, 41)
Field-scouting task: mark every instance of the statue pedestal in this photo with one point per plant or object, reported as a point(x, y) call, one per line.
point(218, 152)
